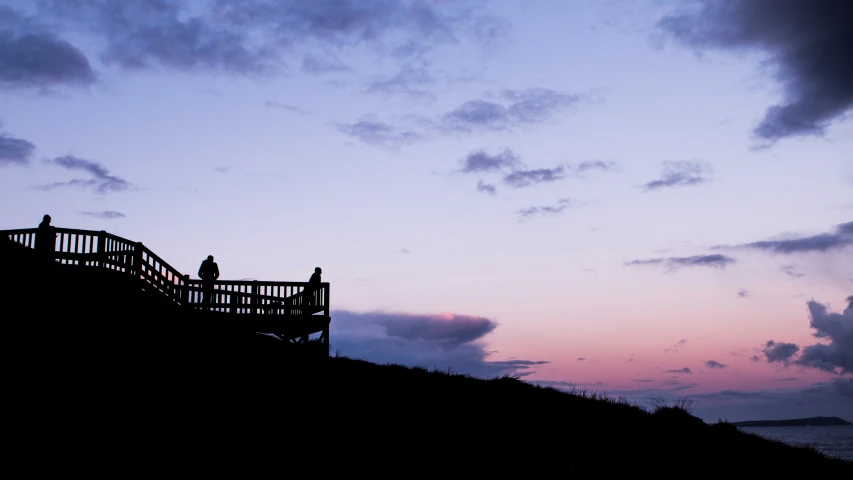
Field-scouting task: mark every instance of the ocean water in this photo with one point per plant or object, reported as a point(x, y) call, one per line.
point(831, 441)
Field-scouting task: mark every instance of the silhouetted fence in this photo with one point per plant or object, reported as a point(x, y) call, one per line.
point(104, 250)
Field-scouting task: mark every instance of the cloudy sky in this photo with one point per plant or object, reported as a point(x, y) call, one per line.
point(645, 198)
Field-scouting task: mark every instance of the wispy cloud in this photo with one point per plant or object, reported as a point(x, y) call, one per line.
point(676, 346)
point(742, 293)
point(287, 107)
point(715, 364)
point(514, 109)
point(545, 210)
point(14, 151)
point(409, 81)
point(595, 165)
point(512, 168)
point(379, 133)
point(486, 188)
point(104, 214)
point(319, 65)
point(592, 165)
point(792, 271)
point(228, 170)
point(840, 238)
point(518, 108)
point(672, 264)
point(479, 161)
point(679, 173)
point(681, 370)
point(527, 178)
point(102, 180)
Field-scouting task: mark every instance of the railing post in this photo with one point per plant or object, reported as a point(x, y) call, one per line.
point(101, 252)
point(326, 329)
point(184, 290)
point(255, 309)
point(137, 259)
point(326, 300)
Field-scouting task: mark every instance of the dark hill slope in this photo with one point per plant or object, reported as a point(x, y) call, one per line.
point(105, 380)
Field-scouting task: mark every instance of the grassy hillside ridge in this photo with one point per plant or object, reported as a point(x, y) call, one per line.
point(103, 380)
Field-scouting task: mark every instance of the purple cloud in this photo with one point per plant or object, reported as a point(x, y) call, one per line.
point(14, 151)
point(809, 46)
point(102, 182)
point(441, 341)
point(673, 263)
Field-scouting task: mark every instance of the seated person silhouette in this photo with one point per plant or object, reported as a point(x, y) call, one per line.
point(208, 272)
point(310, 294)
point(45, 238)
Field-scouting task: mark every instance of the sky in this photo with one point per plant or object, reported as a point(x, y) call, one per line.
point(647, 199)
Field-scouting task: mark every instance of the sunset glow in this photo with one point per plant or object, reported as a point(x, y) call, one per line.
point(638, 198)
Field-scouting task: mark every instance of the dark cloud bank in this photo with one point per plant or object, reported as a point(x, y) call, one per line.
point(807, 43)
point(33, 57)
point(433, 341)
point(249, 37)
point(834, 354)
point(258, 36)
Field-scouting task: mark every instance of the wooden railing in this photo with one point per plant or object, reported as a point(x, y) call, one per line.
point(105, 250)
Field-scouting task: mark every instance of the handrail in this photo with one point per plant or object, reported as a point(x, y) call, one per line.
point(108, 251)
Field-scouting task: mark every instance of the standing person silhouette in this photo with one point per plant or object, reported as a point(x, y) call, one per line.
point(208, 272)
point(313, 287)
point(45, 242)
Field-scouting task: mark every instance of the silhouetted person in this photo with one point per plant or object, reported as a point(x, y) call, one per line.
point(45, 242)
point(313, 286)
point(208, 272)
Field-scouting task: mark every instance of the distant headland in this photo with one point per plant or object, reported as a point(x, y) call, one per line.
point(797, 422)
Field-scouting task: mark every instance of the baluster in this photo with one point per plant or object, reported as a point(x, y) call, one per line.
point(255, 292)
point(185, 298)
point(137, 260)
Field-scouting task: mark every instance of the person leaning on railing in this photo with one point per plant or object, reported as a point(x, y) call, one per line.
point(208, 272)
point(45, 242)
point(313, 287)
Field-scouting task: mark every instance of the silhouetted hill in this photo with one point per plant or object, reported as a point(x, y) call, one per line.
point(796, 422)
point(103, 380)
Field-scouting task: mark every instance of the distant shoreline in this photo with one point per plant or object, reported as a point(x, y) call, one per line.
point(797, 422)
